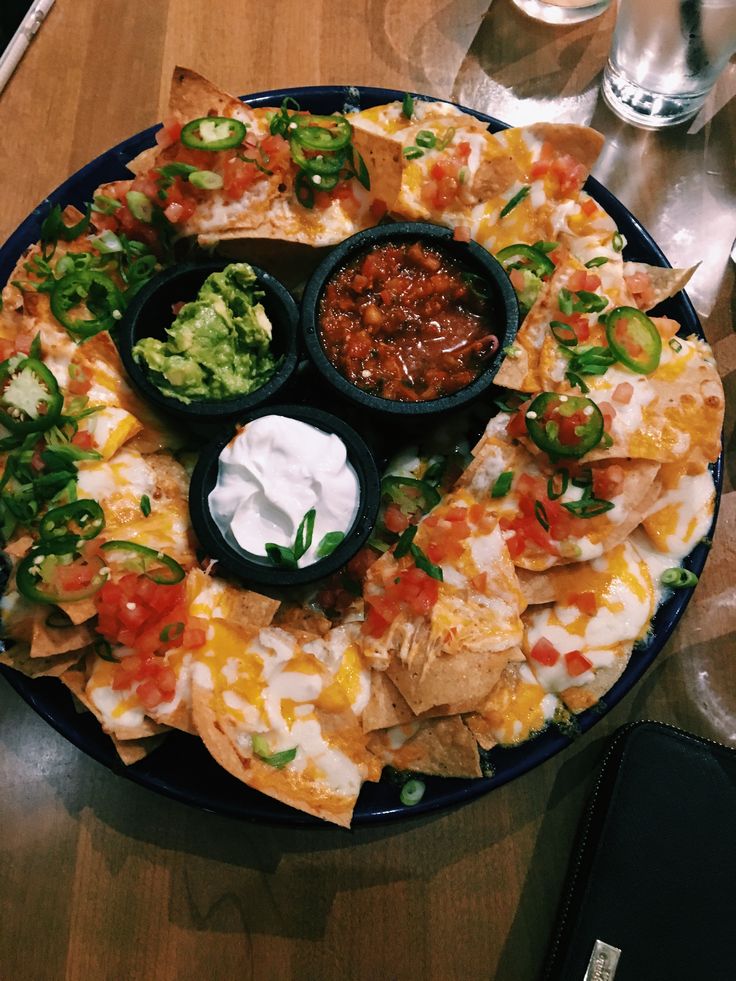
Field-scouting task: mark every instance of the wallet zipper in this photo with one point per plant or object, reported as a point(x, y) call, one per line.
point(591, 811)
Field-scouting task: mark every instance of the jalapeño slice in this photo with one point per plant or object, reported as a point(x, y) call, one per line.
point(44, 577)
point(86, 303)
point(526, 257)
point(322, 132)
point(564, 425)
point(157, 566)
point(213, 133)
point(30, 400)
point(71, 523)
point(634, 339)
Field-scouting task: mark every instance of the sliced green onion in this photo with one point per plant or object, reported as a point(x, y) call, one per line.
point(262, 751)
point(422, 562)
point(588, 302)
point(139, 205)
point(675, 345)
point(678, 578)
point(618, 242)
point(600, 260)
point(304, 534)
point(104, 205)
point(446, 139)
point(106, 243)
point(563, 333)
point(146, 505)
point(412, 152)
point(405, 542)
point(103, 649)
point(412, 792)
point(207, 180)
point(588, 507)
point(516, 199)
point(557, 484)
point(541, 515)
point(407, 106)
point(171, 631)
point(502, 484)
point(329, 543)
point(280, 555)
point(545, 247)
point(426, 138)
point(564, 301)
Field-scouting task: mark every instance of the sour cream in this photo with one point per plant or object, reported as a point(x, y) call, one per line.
point(271, 474)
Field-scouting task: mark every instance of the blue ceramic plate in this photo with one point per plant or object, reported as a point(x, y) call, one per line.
point(181, 767)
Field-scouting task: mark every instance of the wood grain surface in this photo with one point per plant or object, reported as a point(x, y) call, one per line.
point(102, 879)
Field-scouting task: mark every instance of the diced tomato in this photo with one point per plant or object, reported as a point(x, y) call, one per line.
point(577, 663)
point(173, 128)
point(83, 440)
point(462, 151)
point(374, 624)
point(516, 425)
point(76, 576)
point(79, 383)
point(577, 280)
point(642, 289)
point(589, 207)
point(622, 393)
point(539, 169)
point(395, 519)
point(608, 481)
point(592, 282)
point(480, 582)
point(518, 280)
point(586, 602)
point(544, 653)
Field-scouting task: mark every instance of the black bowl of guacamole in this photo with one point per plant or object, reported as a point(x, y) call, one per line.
point(210, 340)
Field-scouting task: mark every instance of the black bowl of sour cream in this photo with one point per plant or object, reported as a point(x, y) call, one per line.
point(285, 499)
point(210, 340)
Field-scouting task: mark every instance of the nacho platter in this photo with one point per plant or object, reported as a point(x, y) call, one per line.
point(181, 767)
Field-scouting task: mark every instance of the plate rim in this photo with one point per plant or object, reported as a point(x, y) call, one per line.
point(444, 792)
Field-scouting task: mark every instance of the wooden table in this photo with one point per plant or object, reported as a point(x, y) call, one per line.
point(99, 878)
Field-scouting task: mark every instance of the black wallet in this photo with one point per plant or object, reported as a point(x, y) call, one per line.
point(651, 891)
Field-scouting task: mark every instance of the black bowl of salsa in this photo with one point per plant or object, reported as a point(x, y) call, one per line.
point(408, 320)
point(152, 311)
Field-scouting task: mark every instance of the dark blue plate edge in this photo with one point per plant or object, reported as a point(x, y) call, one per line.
point(442, 793)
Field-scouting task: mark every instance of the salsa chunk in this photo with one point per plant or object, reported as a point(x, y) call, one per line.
point(407, 323)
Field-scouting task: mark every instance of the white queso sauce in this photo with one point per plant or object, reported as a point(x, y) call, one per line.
point(271, 474)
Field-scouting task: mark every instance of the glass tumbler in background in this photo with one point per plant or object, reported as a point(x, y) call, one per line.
point(665, 58)
point(562, 12)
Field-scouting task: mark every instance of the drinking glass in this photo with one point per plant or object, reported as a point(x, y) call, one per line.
point(665, 58)
point(562, 12)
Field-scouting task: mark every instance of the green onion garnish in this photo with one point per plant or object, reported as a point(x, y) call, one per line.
point(563, 333)
point(277, 760)
point(678, 578)
point(412, 792)
point(516, 199)
point(618, 242)
point(329, 543)
point(146, 505)
point(557, 484)
point(426, 138)
point(171, 631)
point(541, 515)
point(675, 345)
point(407, 106)
point(502, 484)
point(412, 152)
point(422, 562)
point(405, 541)
point(600, 260)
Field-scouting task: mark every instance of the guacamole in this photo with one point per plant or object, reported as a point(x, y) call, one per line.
point(218, 345)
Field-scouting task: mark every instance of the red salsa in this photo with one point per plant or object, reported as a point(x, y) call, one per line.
point(406, 322)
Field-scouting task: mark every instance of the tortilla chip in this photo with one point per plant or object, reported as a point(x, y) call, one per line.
point(76, 681)
point(462, 680)
point(664, 282)
point(437, 747)
point(80, 611)
point(581, 697)
point(18, 656)
point(568, 139)
point(192, 96)
point(220, 736)
point(47, 641)
point(134, 750)
point(517, 709)
point(386, 706)
point(248, 608)
point(99, 359)
point(20, 547)
point(292, 617)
